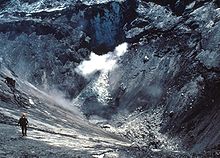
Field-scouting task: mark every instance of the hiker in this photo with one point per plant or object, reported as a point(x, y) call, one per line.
point(23, 122)
point(146, 59)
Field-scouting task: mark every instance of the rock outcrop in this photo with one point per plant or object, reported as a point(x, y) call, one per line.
point(172, 63)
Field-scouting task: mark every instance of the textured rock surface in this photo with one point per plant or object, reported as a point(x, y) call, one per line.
point(44, 43)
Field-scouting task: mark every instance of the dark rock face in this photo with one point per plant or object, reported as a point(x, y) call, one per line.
point(182, 74)
point(53, 42)
point(179, 39)
point(104, 28)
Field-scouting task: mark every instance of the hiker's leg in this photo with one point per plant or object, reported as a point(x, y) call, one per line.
point(22, 130)
point(25, 130)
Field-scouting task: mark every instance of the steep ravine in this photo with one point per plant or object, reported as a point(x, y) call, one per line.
point(164, 92)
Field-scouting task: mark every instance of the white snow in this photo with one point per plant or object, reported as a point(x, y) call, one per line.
point(31, 101)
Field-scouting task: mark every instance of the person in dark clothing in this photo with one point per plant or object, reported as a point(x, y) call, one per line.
point(23, 122)
point(146, 59)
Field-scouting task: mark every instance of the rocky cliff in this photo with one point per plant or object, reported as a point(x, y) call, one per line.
point(171, 69)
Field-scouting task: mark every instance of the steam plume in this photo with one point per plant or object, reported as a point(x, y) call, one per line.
point(102, 63)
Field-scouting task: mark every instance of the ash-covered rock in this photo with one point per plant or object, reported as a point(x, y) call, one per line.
point(172, 62)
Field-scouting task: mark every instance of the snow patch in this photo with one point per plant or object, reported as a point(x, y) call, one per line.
point(31, 101)
point(99, 156)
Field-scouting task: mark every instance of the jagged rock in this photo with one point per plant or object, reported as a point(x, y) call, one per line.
point(211, 60)
point(44, 44)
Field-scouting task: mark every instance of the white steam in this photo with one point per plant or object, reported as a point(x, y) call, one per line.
point(102, 63)
point(58, 98)
point(54, 98)
point(121, 49)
